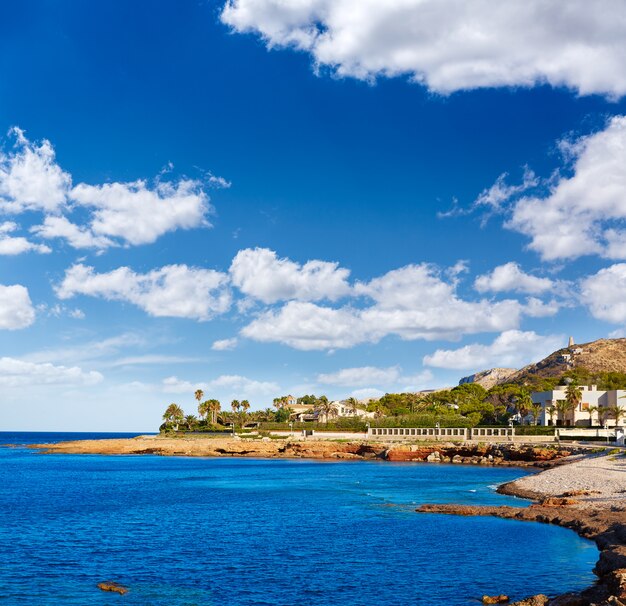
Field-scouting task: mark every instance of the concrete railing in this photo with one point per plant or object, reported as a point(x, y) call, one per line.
point(454, 434)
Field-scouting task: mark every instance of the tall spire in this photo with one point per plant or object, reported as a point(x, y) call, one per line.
point(571, 342)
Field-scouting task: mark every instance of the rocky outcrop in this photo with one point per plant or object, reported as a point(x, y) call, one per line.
point(489, 378)
point(432, 452)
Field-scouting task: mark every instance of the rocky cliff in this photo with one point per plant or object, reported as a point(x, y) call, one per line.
point(489, 378)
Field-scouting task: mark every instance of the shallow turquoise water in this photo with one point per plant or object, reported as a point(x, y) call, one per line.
point(243, 532)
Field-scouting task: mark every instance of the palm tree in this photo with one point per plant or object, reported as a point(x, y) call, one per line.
point(523, 404)
point(535, 409)
point(245, 406)
point(351, 405)
point(562, 408)
point(591, 411)
point(173, 414)
point(326, 408)
point(198, 395)
point(204, 409)
point(573, 396)
point(190, 420)
point(617, 412)
point(552, 411)
point(214, 408)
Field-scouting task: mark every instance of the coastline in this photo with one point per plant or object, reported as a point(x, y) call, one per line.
point(588, 496)
point(504, 454)
point(575, 487)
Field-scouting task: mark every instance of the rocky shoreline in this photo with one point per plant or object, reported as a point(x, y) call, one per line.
point(433, 452)
point(597, 512)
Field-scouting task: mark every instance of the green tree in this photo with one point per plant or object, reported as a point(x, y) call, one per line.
point(535, 410)
point(573, 396)
point(562, 408)
point(617, 412)
point(552, 412)
point(173, 415)
point(190, 421)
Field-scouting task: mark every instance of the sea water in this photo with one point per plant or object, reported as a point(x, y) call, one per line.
point(251, 532)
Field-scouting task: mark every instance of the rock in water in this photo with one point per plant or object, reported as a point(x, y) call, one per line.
point(495, 599)
point(112, 586)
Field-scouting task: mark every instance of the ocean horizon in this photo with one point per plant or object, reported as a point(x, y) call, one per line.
point(183, 531)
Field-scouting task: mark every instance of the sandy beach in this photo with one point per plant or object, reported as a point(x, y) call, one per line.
point(602, 476)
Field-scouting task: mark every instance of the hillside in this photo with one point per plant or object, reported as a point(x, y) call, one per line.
point(603, 355)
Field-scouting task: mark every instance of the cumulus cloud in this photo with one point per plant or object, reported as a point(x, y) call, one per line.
point(361, 376)
point(174, 290)
point(413, 302)
point(583, 213)
point(512, 348)
point(138, 214)
point(16, 308)
point(604, 293)
point(16, 373)
point(307, 326)
point(30, 178)
point(451, 45)
point(16, 245)
point(224, 344)
point(259, 273)
point(117, 214)
point(510, 278)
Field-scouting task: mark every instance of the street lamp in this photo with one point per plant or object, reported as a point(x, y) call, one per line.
point(291, 427)
point(606, 428)
point(437, 428)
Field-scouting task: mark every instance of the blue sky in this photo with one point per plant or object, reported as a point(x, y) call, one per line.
point(267, 197)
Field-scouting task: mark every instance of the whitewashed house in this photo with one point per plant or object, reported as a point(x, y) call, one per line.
point(593, 409)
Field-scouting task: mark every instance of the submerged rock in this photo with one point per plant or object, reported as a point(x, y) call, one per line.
point(112, 586)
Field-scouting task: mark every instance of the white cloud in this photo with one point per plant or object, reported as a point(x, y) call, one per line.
point(307, 326)
point(510, 278)
point(30, 179)
point(151, 359)
point(579, 214)
point(174, 290)
point(224, 344)
point(137, 214)
point(500, 192)
point(118, 214)
point(536, 308)
point(259, 273)
point(451, 45)
point(16, 245)
point(513, 348)
point(16, 309)
point(361, 376)
point(412, 302)
point(605, 293)
point(15, 373)
point(76, 236)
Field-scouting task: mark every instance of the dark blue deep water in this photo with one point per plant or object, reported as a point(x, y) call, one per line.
point(242, 532)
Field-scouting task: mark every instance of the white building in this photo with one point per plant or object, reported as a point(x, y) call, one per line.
point(593, 409)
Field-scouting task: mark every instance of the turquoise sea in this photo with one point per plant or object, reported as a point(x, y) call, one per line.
point(249, 532)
